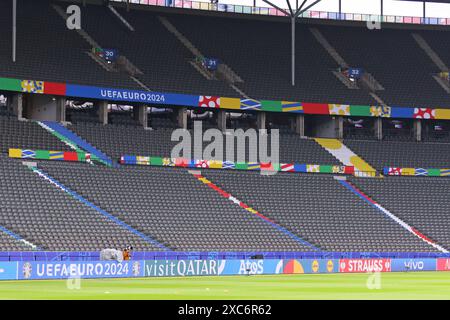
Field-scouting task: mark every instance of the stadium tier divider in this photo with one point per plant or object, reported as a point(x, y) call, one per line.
point(416, 172)
point(228, 165)
point(218, 102)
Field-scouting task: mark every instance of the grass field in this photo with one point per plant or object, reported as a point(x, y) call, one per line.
point(420, 285)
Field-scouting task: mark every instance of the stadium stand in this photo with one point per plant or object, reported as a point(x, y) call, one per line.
point(405, 74)
point(172, 207)
point(421, 202)
point(49, 51)
point(43, 215)
point(117, 206)
point(7, 242)
point(402, 154)
point(26, 135)
point(115, 141)
point(319, 209)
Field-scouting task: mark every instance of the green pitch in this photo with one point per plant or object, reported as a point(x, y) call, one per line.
point(420, 285)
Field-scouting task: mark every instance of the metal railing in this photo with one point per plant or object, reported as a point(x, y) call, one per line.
point(199, 5)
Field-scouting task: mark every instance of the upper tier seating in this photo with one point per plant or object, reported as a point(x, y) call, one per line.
point(402, 154)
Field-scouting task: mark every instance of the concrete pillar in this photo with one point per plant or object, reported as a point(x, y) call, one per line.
point(103, 111)
point(17, 105)
point(326, 127)
point(300, 125)
point(61, 109)
point(378, 128)
point(417, 130)
point(182, 118)
point(140, 114)
point(261, 120)
point(222, 120)
point(339, 128)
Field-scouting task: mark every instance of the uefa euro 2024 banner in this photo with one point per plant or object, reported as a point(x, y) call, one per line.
point(78, 269)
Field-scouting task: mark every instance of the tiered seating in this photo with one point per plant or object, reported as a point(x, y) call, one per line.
point(395, 60)
point(319, 209)
point(37, 211)
point(153, 49)
point(119, 140)
point(402, 154)
point(47, 50)
point(173, 207)
point(26, 135)
point(8, 243)
point(259, 52)
point(421, 202)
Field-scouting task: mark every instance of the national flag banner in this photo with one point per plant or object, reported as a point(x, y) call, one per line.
point(267, 166)
point(209, 102)
point(250, 104)
point(156, 161)
point(253, 166)
point(339, 109)
point(294, 107)
point(28, 154)
point(445, 172)
point(394, 171)
point(56, 155)
point(142, 160)
point(204, 164)
point(287, 167)
point(424, 113)
point(338, 169)
point(86, 157)
point(326, 169)
point(43, 154)
point(54, 88)
point(70, 156)
point(181, 162)
point(168, 162)
point(270, 105)
point(230, 103)
point(312, 168)
point(15, 153)
point(349, 170)
point(215, 164)
point(401, 112)
point(241, 166)
point(434, 172)
point(315, 108)
point(192, 163)
point(360, 110)
point(420, 172)
point(32, 86)
point(129, 159)
point(408, 171)
point(298, 167)
point(228, 165)
point(11, 84)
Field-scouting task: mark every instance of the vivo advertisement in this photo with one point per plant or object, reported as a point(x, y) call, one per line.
point(405, 265)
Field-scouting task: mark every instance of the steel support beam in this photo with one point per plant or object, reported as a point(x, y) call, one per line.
point(14, 30)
